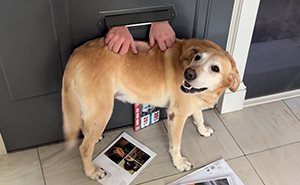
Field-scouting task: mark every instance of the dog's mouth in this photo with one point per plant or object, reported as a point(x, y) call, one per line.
point(187, 88)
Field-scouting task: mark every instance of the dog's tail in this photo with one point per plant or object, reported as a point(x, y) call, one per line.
point(71, 107)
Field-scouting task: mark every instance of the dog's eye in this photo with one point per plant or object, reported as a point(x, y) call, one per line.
point(197, 57)
point(215, 68)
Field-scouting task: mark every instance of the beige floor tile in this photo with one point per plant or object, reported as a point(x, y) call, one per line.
point(201, 150)
point(244, 171)
point(62, 166)
point(278, 166)
point(294, 105)
point(168, 179)
point(263, 127)
point(21, 167)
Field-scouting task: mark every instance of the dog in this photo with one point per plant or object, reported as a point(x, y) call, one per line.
point(189, 77)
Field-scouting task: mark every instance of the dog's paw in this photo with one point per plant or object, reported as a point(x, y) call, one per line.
point(96, 174)
point(208, 131)
point(100, 138)
point(183, 164)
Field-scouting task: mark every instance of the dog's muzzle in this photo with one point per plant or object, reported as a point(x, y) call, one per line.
point(187, 88)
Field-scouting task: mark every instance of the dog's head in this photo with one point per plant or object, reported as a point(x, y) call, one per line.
point(209, 69)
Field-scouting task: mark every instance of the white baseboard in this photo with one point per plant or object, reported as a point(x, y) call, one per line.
point(230, 102)
point(271, 98)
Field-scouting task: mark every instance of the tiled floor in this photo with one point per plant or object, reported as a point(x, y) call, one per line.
point(260, 143)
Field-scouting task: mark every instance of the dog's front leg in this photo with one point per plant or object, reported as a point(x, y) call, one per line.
point(205, 131)
point(175, 127)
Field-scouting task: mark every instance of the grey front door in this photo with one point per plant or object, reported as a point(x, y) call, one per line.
point(30, 73)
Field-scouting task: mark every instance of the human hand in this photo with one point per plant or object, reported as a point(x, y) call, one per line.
point(163, 34)
point(118, 39)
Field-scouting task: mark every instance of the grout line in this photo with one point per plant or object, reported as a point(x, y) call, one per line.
point(229, 132)
point(255, 170)
point(233, 158)
point(176, 173)
point(38, 153)
point(291, 110)
point(272, 148)
point(246, 156)
point(165, 125)
point(160, 178)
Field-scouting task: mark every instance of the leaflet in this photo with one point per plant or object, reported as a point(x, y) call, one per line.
point(123, 160)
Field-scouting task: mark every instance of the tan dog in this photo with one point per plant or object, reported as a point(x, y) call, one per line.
point(188, 77)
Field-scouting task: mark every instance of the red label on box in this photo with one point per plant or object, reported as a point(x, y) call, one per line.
point(137, 112)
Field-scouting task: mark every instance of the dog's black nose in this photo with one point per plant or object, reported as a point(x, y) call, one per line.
point(190, 74)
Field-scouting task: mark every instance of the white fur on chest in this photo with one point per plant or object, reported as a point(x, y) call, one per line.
point(124, 98)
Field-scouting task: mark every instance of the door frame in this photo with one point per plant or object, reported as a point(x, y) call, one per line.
point(238, 44)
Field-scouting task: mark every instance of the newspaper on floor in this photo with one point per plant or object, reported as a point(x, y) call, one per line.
point(123, 160)
point(217, 173)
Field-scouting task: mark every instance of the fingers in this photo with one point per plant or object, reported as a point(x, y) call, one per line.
point(170, 42)
point(108, 37)
point(133, 47)
point(163, 34)
point(123, 49)
point(166, 44)
point(114, 45)
point(162, 44)
point(119, 39)
point(118, 46)
point(151, 40)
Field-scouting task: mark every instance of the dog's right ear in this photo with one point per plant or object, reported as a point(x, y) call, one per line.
point(189, 53)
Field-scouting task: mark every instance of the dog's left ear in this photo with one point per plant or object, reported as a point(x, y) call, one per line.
point(233, 77)
point(235, 81)
point(189, 53)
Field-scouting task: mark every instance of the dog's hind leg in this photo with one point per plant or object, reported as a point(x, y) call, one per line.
point(205, 131)
point(95, 119)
